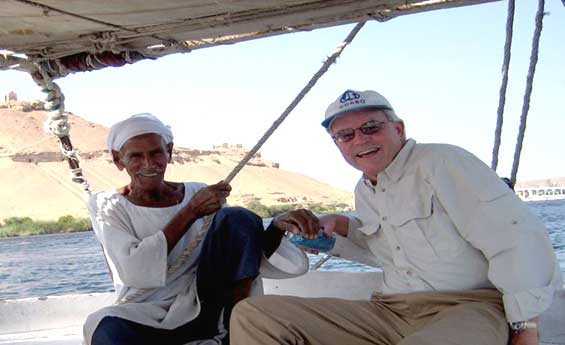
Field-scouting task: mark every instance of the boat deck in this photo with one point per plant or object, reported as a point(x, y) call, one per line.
point(57, 336)
point(57, 320)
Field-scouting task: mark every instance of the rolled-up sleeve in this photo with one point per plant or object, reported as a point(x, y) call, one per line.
point(487, 214)
point(354, 233)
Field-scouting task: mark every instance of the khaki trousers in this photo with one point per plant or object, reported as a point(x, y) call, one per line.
point(424, 318)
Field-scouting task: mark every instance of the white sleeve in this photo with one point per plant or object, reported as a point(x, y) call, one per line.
point(140, 263)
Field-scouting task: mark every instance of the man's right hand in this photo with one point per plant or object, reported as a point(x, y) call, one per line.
point(209, 199)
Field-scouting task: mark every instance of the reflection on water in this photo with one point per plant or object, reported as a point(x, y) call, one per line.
point(73, 263)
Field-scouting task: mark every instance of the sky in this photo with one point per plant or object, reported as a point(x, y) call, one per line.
point(441, 71)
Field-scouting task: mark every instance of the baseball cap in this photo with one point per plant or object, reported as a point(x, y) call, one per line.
point(352, 100)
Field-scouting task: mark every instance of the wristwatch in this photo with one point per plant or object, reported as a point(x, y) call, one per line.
point(520, 326)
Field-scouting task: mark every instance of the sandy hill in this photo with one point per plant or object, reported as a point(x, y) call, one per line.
point(36, 182)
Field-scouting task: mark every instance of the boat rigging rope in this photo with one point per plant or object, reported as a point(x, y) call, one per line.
point(58, 124)
point(208, 219)
point(528, 92)
point(504, 84)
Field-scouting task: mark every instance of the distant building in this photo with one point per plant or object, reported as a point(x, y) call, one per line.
point(541, 193)
point(10, 97)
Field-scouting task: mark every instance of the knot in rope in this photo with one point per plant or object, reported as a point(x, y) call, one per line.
point(58, 122)
point(103, 41)
point(103, 37)
point(78, 177)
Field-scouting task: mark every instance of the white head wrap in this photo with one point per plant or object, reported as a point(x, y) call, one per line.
point(136, 125)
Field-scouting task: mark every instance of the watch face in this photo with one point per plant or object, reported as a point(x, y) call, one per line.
point(516, 326)
point(522, 325)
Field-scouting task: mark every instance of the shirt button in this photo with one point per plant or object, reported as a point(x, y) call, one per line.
point(384, 218)
point(397, 247)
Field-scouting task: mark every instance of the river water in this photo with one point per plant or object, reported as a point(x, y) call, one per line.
point(73, 263)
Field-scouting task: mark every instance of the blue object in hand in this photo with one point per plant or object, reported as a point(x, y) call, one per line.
point(321, 243)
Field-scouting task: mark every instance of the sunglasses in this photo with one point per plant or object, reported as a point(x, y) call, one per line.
point(368, 128)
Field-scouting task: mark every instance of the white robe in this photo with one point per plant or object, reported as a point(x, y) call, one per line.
point(136, 252)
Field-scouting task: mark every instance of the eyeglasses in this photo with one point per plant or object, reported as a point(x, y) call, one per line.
point(368, 128)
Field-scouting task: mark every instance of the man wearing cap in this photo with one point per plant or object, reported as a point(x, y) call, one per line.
point(167, 294)
point(463, 259)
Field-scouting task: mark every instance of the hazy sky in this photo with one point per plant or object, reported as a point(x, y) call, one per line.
point(440, 70)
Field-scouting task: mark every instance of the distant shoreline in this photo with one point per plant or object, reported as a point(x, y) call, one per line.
point(25, 226)
point(26, 234)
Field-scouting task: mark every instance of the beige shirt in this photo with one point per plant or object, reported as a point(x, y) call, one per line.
point(440, 219)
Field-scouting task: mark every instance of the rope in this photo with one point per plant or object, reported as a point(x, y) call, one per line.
point(504, 84)
point(529, 84)
point(329, 61)
point(208, 219)
point(321, 262)
point(57, 123)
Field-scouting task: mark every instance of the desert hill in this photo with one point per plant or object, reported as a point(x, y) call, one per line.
point(36, 182)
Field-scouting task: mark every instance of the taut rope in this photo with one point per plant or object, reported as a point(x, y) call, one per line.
point(529, 83)
point(504, 84)
point(208, 219)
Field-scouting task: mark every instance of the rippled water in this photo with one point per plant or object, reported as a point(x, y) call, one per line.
point(73, 263)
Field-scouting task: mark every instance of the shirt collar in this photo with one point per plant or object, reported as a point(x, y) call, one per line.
point(394, 170)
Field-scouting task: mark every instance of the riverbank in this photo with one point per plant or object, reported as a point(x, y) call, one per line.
point(25, 226)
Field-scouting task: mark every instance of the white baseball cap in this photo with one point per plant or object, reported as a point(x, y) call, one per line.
point(352, 100)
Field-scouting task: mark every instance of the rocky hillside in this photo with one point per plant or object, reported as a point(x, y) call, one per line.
point(36, 182)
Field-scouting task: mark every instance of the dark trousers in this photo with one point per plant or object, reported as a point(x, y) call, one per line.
point(231, 251)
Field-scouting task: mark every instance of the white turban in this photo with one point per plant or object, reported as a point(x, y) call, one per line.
point(136, 125)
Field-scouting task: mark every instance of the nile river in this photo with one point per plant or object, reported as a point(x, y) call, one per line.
point(73, 263)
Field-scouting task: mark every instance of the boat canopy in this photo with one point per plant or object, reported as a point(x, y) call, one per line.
point(79, 35)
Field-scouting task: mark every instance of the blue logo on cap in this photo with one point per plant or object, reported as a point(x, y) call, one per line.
point(349, 96)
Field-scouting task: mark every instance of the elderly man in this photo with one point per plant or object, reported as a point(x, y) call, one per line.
point(463, 259)
point(166, 293)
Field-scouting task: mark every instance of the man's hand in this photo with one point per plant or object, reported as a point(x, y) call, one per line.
point(301, 222)
point(209, 199)
point(525, 337)
point(335, 223)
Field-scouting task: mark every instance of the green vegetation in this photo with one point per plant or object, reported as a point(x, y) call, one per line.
point(25, 226)
point(317, 208)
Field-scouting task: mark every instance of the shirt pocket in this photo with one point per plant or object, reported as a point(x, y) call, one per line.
point(422, 224)
point(411, 210)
